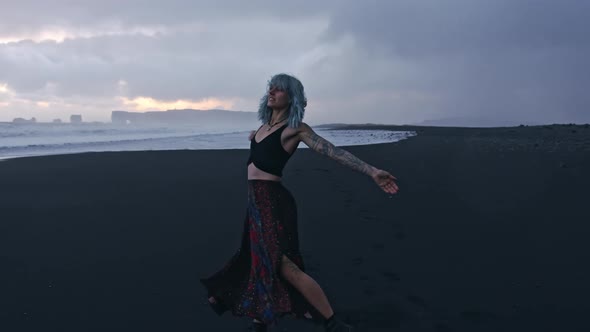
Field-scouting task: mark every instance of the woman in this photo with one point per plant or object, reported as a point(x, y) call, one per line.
point(265, 279)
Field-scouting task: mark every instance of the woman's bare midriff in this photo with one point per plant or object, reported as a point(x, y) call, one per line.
point(254, 173)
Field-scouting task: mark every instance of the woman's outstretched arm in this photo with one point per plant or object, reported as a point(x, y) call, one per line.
point(323, 146)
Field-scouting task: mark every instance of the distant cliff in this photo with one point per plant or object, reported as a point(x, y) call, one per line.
point(21, 120)
point(185, 117)
point(473, 121)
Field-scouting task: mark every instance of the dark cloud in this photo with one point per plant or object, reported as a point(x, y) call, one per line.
point(400, 61)
point(29, 15)
point(433, 28)
point(525, 58)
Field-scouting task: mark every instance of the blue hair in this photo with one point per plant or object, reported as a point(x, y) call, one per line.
point(297, 99)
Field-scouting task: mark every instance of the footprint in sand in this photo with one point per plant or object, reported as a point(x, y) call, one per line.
point(440, 327)
point(378, 246)
point(478, 316)
point(369, 292)
point(400, 235)
point(417, 300)
point(375, 316)
point(348, 202)
point(390, 276)
point(311, 268)
point(358, 261)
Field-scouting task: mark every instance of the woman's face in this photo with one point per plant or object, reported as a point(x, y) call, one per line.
point(277, 98)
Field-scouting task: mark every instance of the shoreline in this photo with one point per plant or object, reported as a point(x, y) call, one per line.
point(416, 129)
point(202, 143)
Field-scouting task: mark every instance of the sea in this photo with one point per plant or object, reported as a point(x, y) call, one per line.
point(19, 140)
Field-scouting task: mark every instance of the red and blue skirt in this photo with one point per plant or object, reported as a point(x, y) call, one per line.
point(250, 284)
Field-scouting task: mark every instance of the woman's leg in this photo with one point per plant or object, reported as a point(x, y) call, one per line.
point(307, 286)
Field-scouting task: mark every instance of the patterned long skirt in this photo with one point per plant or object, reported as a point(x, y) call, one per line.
point(250, 284)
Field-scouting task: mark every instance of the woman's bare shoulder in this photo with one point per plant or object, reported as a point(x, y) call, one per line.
point(298, 131)
point(302, 128)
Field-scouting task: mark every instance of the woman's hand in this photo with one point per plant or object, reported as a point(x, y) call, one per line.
point(385, 181)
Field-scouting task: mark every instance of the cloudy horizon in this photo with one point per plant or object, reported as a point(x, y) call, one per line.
point(372, 61)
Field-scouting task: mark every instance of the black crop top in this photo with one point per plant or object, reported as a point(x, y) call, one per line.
point(269, 155)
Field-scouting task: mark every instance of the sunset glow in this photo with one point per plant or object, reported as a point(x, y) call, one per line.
point(60, 34)
point(148, 103)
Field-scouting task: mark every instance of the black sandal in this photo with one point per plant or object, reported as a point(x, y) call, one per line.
point(219, 308)
point(258, 327)
point(314, 318)
point(333, 324)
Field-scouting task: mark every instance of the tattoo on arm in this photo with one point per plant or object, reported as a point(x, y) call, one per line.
point(292, 267)
point(321, 145)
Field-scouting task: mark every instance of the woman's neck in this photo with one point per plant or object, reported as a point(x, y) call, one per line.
point(278, 115)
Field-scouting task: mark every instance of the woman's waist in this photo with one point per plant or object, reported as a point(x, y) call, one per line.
point(264, 180)
point(255, 173)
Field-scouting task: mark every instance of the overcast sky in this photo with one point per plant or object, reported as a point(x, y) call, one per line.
point(406, 61)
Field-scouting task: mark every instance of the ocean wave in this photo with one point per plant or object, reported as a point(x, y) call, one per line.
point(236, 139)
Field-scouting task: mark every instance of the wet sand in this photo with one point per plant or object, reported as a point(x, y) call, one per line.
point(489, 232)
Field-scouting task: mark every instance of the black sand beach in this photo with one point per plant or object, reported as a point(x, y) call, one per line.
point(489, 232)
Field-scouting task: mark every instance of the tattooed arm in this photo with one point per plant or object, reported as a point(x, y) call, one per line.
point(323, 146)
point(382, 178)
